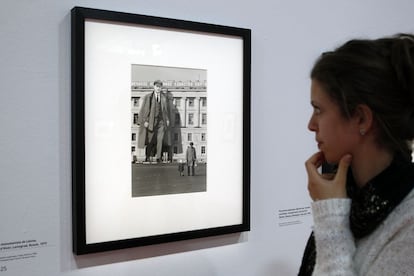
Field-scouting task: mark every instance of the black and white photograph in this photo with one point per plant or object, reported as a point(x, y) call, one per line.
point(168, 130)
point(160, 128)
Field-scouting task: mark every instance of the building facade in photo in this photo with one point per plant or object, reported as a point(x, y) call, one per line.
point(188, 122)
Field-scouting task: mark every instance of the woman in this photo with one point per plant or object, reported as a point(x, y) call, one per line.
point(362, 94)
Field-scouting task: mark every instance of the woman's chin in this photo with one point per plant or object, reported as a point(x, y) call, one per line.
point(331, 159)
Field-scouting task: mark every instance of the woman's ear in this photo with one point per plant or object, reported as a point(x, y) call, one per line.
point(364, 116)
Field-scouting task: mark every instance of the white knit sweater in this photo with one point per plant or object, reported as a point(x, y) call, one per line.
point(388, 251)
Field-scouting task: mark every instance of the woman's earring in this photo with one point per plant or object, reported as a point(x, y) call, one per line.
point(362, 131)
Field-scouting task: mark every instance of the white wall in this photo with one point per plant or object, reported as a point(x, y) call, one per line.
point(35, 142)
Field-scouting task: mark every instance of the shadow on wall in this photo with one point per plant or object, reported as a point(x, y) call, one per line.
point(279, 268)
point(136, 253)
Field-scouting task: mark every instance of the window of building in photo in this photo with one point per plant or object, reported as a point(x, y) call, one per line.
point(175, 136)
point(177, 102)
point(191, 102)
point(203, 118)
point(134, 136)
point(189, 137)
point(203, 136)
point(203, 102)
point(175, 149)
point(177, 118)
point(135, 101)
point(135, 120)
point(190, 119)
point(203, 149)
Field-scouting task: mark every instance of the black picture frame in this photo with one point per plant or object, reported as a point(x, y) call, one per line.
point(103, 211)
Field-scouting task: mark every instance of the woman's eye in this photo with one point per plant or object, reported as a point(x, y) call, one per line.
point(316, 110)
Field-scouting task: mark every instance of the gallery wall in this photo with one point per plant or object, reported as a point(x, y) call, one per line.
point(35, 133)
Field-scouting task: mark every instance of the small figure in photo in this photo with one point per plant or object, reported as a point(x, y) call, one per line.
point(181, 167)
point(191, 159)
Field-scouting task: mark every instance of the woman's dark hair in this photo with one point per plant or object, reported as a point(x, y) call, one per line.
point(380, 74)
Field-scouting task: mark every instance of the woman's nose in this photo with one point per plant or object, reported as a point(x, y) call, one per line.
point(312, 124)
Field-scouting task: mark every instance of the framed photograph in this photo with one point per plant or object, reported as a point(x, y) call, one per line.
point(160, 130)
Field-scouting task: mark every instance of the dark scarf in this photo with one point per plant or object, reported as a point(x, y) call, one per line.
point(370, 205)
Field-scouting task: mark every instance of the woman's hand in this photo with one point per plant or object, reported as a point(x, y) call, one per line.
point(324, 186)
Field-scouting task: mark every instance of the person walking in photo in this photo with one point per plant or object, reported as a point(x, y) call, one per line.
point(362, 95)
point(191, 159)
point(181, 167)
point(154, 121)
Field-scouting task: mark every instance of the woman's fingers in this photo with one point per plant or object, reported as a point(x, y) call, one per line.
point(324, 186)
point(343, 169)
point(313, 163)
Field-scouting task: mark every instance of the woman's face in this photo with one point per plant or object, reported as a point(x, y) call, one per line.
point(334, 134)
